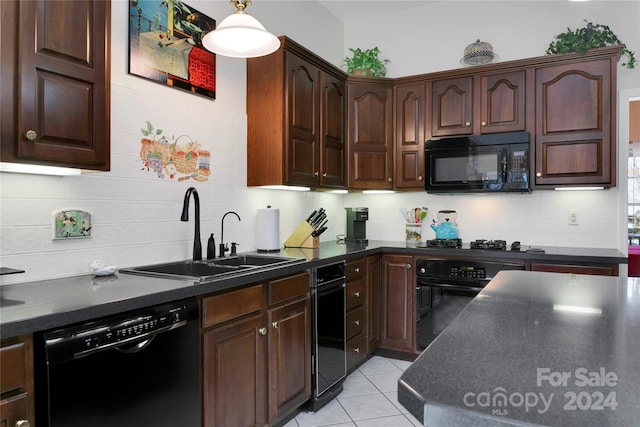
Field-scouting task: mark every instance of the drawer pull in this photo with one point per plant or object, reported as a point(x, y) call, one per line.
point(356, 350)
point(275, 325)
point(357, 322)
point(356, 294)
point(22, 423)
point(357, 269)
point(467, 124)
point(263, 331)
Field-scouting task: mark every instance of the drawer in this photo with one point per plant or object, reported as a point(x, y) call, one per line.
point(355, 322)
point(356, 351)
point(231, 305)
point(288, 288)
point(12, 368)
point(355, 269)
point(355, 294)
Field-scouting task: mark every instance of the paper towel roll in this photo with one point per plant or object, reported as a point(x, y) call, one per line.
point(268, 229)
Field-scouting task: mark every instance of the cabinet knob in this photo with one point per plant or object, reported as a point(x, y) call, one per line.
point(324, 175)
point(22, 423)
point(408, 266)
point(30, 135)
point(538, 174)
point(357, 269)
point(356, 294)
point(483, 124)
point(419, 177)
point(357, 322)
point(356, 350)
point(467, 124)
point(275, 325)
point(390, 179)
point(263, 331)
point(316, 173)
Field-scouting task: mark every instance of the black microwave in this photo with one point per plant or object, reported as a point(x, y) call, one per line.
point(478, 163)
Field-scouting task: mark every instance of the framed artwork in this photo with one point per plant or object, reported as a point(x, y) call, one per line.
point(165, 45)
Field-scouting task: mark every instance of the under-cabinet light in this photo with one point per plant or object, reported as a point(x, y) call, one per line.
point(339, 191)
point(578, 188)
point(577, 309)
point(378, 192)
point(37, 169)
point(284, 187)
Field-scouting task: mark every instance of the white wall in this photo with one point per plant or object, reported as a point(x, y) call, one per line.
point(136, 215)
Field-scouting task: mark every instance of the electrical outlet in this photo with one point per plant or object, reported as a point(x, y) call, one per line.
point(573, 218)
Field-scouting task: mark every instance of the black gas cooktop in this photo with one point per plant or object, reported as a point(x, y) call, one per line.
point(483, 244)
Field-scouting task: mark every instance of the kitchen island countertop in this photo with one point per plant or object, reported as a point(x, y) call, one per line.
point(534, 348)
point(40, 305)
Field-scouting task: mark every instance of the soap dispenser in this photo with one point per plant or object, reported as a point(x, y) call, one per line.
point(211, 247)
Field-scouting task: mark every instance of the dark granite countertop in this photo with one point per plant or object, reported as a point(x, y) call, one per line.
point(36, 306)
point(534, 348)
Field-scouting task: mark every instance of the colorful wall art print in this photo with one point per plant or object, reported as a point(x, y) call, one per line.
point(71, 223)
point(178, 158)
point(165, 45)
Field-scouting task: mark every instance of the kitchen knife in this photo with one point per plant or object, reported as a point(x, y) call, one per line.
point(311, 216)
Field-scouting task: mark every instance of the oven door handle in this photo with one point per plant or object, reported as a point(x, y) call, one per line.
point(450, 287)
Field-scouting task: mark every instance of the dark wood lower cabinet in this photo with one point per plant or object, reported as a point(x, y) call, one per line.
point(235, 375)
point(16, 382)
point(289, 357)
point(398, 303)
point(596, 270)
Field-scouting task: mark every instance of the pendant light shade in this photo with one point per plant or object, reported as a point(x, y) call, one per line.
point(240, 35)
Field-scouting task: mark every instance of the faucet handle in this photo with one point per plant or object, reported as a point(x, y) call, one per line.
point(234, 248)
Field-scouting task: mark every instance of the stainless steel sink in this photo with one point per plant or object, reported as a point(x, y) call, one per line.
point(209, 270)
point(252, 260)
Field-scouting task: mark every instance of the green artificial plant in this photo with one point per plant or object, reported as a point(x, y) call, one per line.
point(366, 62)
point(588, 37)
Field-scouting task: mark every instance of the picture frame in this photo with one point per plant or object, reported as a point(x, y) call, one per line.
point(165, 45)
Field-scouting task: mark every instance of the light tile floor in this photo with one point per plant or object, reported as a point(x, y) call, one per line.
point(369, 399)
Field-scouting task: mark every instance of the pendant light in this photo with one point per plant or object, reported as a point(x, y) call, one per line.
point(240, 35)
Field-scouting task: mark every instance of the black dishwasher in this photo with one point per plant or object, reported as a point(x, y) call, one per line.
point(136, 369)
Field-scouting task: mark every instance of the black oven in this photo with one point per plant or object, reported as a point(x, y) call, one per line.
point(445, 287)
point(479, 163)
point(329, 350)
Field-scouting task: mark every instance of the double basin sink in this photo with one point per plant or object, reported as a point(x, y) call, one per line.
point(203, 271)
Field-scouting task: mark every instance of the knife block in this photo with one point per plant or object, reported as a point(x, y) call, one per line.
point(302, 238)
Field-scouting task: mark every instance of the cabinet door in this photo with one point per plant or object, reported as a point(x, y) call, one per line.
point(370, 136)
point(409, 141)
point(452, 107)
point(332, 132)
point(574, 135)
point(303, 116)
point(60, 115)
point(289, 357)
point(374, 305)
point(398, 299)
point(234, 374)
point(14, 410)
point(502, 102)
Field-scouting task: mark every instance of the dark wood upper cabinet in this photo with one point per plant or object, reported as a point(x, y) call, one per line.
point(452, 107)
point(296, 119)
point(370, 140)
point(482, 103)
point(56, 83)
point(575, 121)
point(410, 108)
point(502, 102)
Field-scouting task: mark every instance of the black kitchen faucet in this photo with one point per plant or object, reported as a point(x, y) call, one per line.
point(197, 246)
point(223, 246)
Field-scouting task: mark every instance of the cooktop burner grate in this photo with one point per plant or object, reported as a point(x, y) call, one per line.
point(444, 243)
point(500, 245)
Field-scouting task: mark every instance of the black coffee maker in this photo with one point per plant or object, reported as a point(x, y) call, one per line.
point(357, 225)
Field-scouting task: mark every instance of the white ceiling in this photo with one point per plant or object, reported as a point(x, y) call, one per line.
point(356, 9)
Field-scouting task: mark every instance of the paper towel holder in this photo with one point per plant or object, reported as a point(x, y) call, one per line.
point(269, 248)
